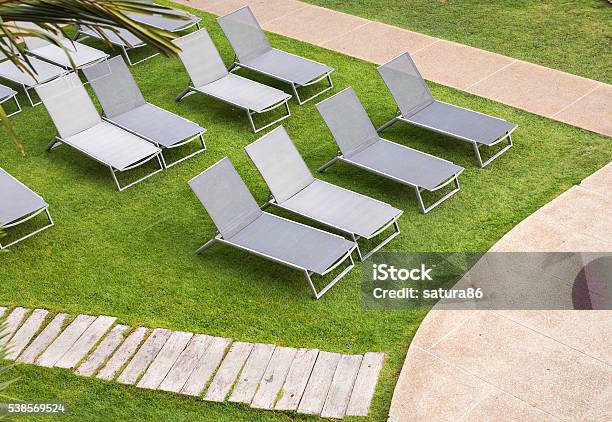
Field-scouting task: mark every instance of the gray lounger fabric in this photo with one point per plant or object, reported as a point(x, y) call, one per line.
point(116, 36)
point(242, 224)
point(361, 146)
point(18, 200)
point(209, 76)
point(81, 54)
point(45, 72)
point(418, 107)
point(124, 105)
point(254, 52)
point(6, 93)
point(294, 188)
point(182, 21)
point(80, 126)
point(18, 205)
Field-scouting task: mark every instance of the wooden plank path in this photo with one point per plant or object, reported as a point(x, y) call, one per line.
point(264, 376)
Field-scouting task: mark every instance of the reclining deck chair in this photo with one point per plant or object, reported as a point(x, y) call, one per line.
point(119, 37)
point(253, 52)
point(19, 204)
point(82, 55)
point(209, 76)
point(44, 72)
point(417, 106)
point(124, 106)
point(6, 94)
point(294, 189)
point(361, 146)
point(242, 224)
point(79, 125)
point(173, 20)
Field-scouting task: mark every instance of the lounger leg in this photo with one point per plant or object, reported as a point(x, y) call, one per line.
point(206, 245)
point(396, 232)
point(122, 188)
point(188, 91)
point(27, 93)
point(251, 113)
point(330, 85)
point(200, 137)
point(497, 154)
point(18, 107)
point(234, 66)
point(424, 209)
point(55, 142)
point(51, 224)
point(388, 124)
point(317, 294)
point(327, 165)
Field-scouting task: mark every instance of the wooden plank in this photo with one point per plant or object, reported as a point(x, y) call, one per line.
point(228, 371)
point(252, 373)
point(298, 376)
point(40, 343)
point(86, 342)
point(165, 359)
point(341, 387)
point(144, 356)
point(122, 354)
point(318, 385)
point(65, 340)
point(27, 331)
point(274, 377)
point(102, 352)
point(186, 363)
point(206, 366)
point(365, 384)
point(12, 323)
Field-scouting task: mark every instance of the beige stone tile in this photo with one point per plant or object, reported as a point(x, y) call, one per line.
point(578, 242)
point(264, 10)
point(457, 65)
point(503, 407)
point(206, 5)
point(430, 389)
point(437, 324)
point(379, 43)
point(601, 410)
point(600, 181)
point(586, 331)
point(533, 88)
point(592, 112)
point(538, 370)
point(315, 25)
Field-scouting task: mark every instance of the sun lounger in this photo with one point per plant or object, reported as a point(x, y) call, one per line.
point(43, 72)
point(253, 52)
point(79, 125)
point(417, 106)
point(81, 54)
point(119, 37)
point(124, 106)
point(294, 189)
point(209, 76)
point(19, 204)
point(179, 20)
point(242, 224)
point(361, 146)
point(7, 94)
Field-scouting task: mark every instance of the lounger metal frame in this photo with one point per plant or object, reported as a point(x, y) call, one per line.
point(250, 113)
point(13, 97)
point(23, 220)
point(417, 189)
point(330, 84)
point(307, 273)
point(354, 237)
point(476, 144)
point(26, 89)
point(57, 141)
point(199, 136)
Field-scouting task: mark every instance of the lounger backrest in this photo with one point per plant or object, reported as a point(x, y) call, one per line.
point(114, 86)
point(68, 104)
point(406, 85)
point(226, 198)
point(244, 34)
point(280, 164)
point(348, 122)
point(200, 58)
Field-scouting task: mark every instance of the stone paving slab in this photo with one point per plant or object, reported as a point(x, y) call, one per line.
point(554, 94)
point(13, 321)
point(261, 375)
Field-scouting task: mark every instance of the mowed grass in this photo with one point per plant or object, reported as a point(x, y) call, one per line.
point(131, 254)
point(573, 36)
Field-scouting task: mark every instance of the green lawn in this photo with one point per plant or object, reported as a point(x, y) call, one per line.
point(130, 254)
point(569, 35)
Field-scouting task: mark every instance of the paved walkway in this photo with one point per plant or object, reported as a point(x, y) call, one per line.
point(551, 93)
point(520, 365)
point(217, 369)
